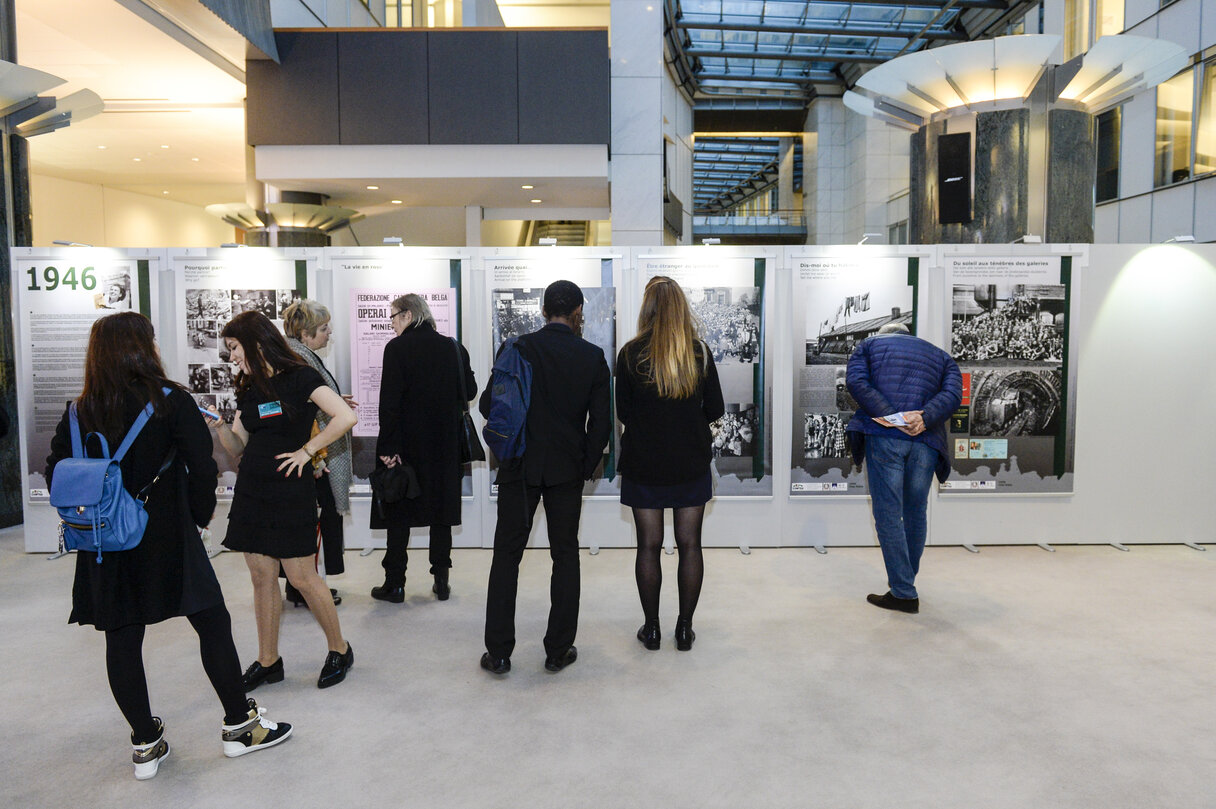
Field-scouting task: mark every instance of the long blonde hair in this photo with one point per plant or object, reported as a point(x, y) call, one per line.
point(667, 331)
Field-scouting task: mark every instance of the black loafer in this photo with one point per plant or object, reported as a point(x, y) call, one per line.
point(336, 666)
point(495, 665)
point(889, 602)
point(684, 634)
point(649, 635)
point(257, 674)
point(394, 595)
point(297, 598)
point(559, 661)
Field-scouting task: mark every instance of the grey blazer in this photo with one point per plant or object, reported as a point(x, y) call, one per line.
point(338, 459)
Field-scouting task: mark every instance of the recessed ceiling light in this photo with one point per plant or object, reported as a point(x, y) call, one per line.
point(137, 159)
point(373, 188)
point(396, 201)
point(535, 201)
point(195, 159)
point(101, 147)
point(164, 192)
point(164, 146)
point(527, 187)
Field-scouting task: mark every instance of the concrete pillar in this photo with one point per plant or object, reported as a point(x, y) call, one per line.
point(472, 225)
point(785, 174)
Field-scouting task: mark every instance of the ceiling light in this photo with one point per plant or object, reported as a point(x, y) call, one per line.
point(527, 187)
point(535, 201)
point(101, 147)
point(137, 159)
point(164, 192)
point(373, 188)
point(194, 159)
point(396, 201)
point(164, 146)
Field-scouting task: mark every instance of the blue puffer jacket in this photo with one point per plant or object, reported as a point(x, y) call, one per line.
point(891, 373)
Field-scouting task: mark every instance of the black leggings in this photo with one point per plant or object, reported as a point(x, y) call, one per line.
point(125, 669)
point(649, 571)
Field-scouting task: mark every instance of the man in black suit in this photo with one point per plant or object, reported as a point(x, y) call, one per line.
point(567, 429)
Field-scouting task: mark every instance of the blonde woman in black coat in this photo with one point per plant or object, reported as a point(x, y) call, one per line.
point(667, 395)
point(167, 574)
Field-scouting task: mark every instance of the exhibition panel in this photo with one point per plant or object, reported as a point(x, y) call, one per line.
point(1052, 443)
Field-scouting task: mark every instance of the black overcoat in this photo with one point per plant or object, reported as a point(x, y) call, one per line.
point(419, 415)
point(168, 573)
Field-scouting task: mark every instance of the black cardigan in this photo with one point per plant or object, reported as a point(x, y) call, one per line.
point(666, 441)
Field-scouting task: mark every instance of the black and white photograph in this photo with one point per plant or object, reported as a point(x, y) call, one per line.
point(206, 400)
point(286, 298)
point(255, 300)
point(1007, 324)
point(113, 291)
point(202, 341)
point(225, 405)
point(823, 435)
point(1006, 402)
point(735, 433)
point(516, 312)
point(845, 402)
point(222, 377)
point(730, 321)
point(198, 377)
point(839, 317)
point(599, 320)
point(208, 304)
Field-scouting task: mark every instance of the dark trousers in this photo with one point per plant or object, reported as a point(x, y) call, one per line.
point(517, 504)
point(330, 522)
point(396, 556)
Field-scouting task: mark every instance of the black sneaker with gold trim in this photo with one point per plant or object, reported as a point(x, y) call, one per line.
point(254, 732)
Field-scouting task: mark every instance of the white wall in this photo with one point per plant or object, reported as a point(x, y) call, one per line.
point(93, 214)
point(437, 227)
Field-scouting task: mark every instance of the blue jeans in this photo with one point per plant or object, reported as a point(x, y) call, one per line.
point(900, 473)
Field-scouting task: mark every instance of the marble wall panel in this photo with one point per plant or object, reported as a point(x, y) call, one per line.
point(1071, 174)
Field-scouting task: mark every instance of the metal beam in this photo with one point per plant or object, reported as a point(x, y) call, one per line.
point(815, 78)
point(860, 58)
point(827, 29)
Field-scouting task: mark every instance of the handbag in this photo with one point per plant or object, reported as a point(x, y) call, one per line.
point(470, 445)
point(392, 484)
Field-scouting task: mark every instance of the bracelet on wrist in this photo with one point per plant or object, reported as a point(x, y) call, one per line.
point(306, 452)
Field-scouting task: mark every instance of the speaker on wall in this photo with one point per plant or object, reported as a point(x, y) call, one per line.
point(954, 178)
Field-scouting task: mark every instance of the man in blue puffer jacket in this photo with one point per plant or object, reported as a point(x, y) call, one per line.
point(907, 388)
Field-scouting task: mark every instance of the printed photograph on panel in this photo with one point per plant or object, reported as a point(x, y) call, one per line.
point(599, 320)
point(255, 300)
point(199, 378)
point(730, 321)
point(734, 435)
point(845, 402)
point(208, 304)
point(835, 324)
point(1006, 324)
point(516, 312)
point(1015, 402)
point(113, 291)
point(823, 436)
point(286, 298)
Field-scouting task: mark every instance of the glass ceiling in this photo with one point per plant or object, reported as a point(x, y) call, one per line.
point(730, 170)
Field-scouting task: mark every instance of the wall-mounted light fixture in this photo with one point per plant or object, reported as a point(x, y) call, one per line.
point(75, 244)
point(711, 240)
point(1029, 238)
point(867, 236)
point(1187, 239)
point(397, 240)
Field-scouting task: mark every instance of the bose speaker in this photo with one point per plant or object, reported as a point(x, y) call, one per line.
point(954, 178)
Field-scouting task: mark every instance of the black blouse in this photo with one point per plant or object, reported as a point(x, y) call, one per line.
point(666, 441)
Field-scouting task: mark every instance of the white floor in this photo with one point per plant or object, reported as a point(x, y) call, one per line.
point(1082, 678)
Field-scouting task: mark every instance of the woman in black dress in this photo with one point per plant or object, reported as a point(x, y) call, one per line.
point(167, 574)
point(667, 395)
point(273, 517)
point(420, 405)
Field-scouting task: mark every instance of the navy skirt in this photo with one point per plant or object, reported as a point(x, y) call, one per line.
point(696, 492)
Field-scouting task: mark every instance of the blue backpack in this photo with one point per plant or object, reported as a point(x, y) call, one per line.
point(95, 511)
point(510, 395)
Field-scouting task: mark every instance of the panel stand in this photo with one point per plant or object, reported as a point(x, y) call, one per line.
point(213, 552)
point(367, 551)
point(745, 550)
point(594, 550)
point(669, 549)
point(1046, 546)
point(971, 547)
point(1119, 546)
point(1194, 546)
point(57, 555)
point(820, 549)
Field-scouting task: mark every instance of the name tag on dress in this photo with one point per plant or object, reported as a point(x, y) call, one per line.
point(268, 409)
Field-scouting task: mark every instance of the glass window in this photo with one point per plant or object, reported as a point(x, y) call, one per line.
point(1109, 14)
point(1109, 124)
point(1175, 103)
point(1076, 28)
point(1205, 129)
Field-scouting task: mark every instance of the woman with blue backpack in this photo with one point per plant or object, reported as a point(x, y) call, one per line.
point(167, 463)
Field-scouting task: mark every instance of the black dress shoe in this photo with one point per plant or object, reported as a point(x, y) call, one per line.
point(297, 598)
point(649, 635)
point(684, 634)
point(257, 674)
point(495, 665)
point(890, 602)
point(336, 666)
point(559, 661)
point(441, 589)
point(387, 593)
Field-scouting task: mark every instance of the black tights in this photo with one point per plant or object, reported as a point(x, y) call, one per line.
point(648, 568)
point(125, 669)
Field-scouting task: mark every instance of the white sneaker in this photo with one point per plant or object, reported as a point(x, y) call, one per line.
point(256, 732)
point(147, 757)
